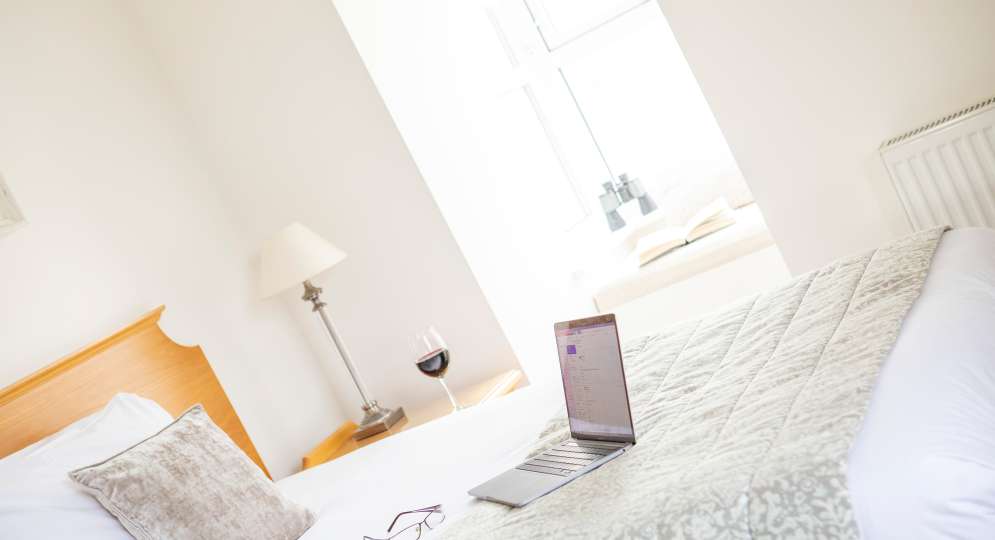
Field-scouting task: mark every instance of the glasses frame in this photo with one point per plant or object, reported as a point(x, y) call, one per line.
point(428, 510)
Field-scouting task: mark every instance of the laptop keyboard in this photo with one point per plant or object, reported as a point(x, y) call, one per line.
point(567, 457)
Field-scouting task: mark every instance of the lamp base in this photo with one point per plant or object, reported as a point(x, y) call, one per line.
point(377, 419)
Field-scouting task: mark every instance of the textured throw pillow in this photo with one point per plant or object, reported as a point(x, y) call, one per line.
point(191, 481)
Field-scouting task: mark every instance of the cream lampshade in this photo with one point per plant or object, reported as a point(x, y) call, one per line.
point(291, 258)
point(295, 255)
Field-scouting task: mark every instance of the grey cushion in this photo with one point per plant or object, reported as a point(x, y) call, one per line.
point(191, 481)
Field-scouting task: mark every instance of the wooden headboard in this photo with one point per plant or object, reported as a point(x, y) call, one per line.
point(140, 359)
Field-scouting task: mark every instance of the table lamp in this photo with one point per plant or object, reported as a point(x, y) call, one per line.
point(291, 258)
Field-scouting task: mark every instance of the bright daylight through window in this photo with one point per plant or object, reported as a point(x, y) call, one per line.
point(523, 115)
point(614, 100)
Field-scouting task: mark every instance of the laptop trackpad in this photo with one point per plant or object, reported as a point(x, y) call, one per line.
point(517, 487)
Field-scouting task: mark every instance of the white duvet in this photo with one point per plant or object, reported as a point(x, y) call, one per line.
point(436, 463)
point(923, 465)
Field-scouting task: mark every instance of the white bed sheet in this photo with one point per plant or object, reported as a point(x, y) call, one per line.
point(436, 463)
point(923, 465)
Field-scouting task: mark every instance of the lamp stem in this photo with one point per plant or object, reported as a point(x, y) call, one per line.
point(375, 418)
point(313, 294)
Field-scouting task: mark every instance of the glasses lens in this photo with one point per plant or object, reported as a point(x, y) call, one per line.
point(435, 519)
point(411, 532)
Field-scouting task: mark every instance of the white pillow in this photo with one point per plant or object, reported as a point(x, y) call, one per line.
point(37, 498)
point(923, 464)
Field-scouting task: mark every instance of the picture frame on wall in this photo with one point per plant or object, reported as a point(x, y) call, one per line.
point(11, 216)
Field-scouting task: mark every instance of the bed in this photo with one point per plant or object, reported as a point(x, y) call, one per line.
point(921, 465)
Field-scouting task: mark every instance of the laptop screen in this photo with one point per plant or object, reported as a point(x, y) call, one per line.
point(593, 379)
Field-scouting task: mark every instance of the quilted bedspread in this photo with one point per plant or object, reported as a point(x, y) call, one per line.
point(744, 418)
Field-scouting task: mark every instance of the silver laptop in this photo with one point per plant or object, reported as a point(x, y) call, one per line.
point(597, 407)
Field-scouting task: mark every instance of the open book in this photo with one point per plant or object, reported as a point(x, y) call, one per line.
point(715, 216)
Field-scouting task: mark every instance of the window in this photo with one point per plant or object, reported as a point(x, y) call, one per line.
point(613, 95)
point(10, 215)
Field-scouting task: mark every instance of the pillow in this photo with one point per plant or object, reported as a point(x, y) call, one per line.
point(191, 481)
point(38, 500)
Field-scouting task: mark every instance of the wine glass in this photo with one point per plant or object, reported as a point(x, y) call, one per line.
point(432, 359)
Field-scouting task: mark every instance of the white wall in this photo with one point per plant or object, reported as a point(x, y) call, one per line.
point(122, 218)
point(295, 130)
point(806, 91)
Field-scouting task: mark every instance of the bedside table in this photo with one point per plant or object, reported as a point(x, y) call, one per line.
point(341, 443)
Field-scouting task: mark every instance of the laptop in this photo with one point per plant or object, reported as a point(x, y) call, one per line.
point(597, 408)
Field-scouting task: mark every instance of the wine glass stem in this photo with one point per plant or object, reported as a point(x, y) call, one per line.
point(452, 398)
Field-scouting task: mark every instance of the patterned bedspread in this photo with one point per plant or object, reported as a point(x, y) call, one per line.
point(744, 418)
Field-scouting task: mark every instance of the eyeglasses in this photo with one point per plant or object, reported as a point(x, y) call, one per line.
point(433, 518)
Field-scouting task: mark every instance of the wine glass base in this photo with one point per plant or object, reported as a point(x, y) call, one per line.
point(378, 420)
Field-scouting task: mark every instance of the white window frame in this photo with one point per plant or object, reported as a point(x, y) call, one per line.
point(540, 63)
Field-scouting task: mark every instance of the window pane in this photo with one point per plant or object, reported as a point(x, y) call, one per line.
point(520, 154)
point(562, 20)
point(570, 137)
point(649, 117)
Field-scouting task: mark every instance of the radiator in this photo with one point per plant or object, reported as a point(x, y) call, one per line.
point(944, 172)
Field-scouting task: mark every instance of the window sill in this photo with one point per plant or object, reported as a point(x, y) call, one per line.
point(631, 281)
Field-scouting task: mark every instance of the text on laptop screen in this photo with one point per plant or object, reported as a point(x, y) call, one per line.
point(593, 380)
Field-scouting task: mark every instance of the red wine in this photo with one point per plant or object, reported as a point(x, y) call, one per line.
point(435, 363)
